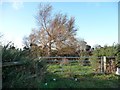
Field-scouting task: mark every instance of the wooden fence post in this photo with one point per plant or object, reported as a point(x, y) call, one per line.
point(101, 70)
point(104, 60)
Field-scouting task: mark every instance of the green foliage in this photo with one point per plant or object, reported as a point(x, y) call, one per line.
point(10, 53)
point(14, 75)
point(103, 51)
point(21, 75)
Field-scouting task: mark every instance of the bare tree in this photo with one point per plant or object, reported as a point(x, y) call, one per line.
point(54, 32)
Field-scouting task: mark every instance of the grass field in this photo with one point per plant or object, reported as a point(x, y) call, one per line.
point(72, 75)
point(76, 76)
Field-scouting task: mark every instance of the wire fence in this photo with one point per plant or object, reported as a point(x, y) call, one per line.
point(105, 64)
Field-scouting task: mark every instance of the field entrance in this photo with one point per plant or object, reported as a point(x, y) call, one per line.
point(77, 72)
point(81, 65)
point(69, 66)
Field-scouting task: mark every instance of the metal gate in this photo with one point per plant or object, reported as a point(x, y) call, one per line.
point(93, 64)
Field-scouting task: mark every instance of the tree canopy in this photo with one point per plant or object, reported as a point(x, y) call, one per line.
point(54, 32)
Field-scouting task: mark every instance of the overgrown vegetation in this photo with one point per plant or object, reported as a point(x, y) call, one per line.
point(20, 75)
point(39, 74)
point(108, 51)
point(55, 37)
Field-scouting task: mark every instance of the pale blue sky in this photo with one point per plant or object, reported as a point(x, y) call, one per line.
point(97, 22)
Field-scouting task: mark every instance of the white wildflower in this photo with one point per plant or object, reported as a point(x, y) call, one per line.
point(39, 57)
point(45, 83)
point(54, 79)
point(75, 79)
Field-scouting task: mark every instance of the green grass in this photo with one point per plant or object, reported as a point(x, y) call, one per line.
point(69, 69)
point(65, 76)
point(86, 81)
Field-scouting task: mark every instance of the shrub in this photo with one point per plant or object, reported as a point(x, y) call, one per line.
point(15, 75)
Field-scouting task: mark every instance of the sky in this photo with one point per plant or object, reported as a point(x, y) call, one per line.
point(97, 22)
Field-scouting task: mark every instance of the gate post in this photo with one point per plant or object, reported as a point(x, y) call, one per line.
point(101, 65)
point(104, 60)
